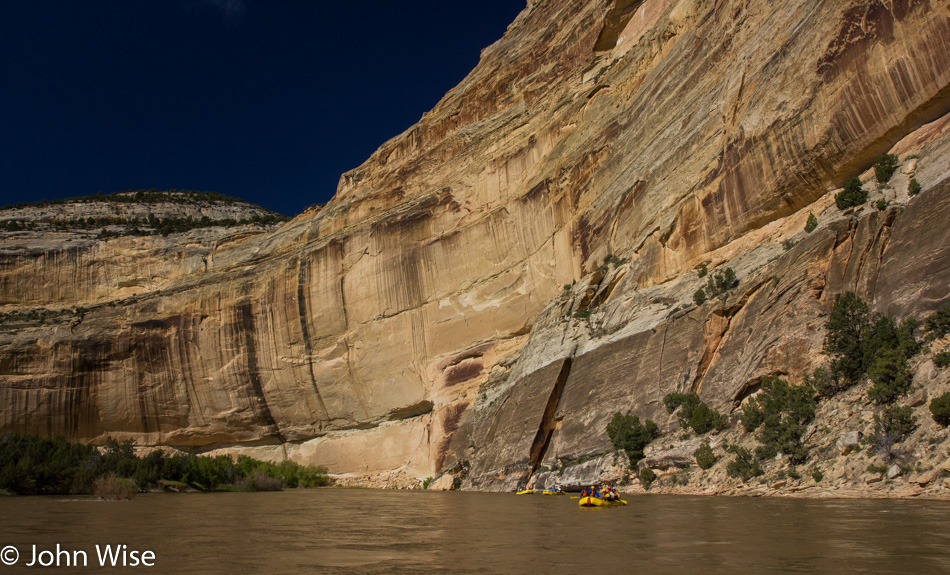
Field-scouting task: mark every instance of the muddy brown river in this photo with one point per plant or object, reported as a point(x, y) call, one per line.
point(366, 531)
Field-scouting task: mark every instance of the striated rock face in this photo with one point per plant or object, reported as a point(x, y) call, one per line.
point(421, 321)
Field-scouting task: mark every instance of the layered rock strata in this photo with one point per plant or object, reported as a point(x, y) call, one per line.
point(419, 323)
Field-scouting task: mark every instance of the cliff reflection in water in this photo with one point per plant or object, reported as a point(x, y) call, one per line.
point(365, 531)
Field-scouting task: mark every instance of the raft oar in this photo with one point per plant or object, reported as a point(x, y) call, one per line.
point(575, 497)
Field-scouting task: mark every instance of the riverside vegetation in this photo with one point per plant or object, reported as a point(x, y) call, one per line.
point(32, 465)
point(862, 347)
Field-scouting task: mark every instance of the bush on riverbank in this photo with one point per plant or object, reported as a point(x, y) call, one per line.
point(694, 413)
point(780, 413)
point(864, 344)
point(940, 409)
point(31, 465)
point(626, 432)
point(744, 466)
point(260, 481)
point(705, 458)
point(292, 474)
point(647, 477)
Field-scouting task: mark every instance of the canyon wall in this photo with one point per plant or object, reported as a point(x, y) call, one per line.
point(492, 284)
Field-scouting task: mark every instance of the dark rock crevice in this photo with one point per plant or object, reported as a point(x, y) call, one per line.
point(250, 349)
point(303, 271)
point(548, 421)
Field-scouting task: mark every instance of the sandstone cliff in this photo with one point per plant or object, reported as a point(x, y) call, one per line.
point(420, 321)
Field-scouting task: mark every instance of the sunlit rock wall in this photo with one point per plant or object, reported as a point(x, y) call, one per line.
point(384, 334)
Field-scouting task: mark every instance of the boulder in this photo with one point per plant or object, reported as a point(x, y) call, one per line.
point(443, 483)
point(848, 441)
point(893, 471)
point(872, 478)
point(926, 478)
point(917, 399)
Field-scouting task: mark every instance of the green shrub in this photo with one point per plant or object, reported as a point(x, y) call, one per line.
point(887, 334)
point(938, 324)
point(942, 359)
point(32, 465)
point(694, 413)
point(860, 343)
point(794, 474)
point(705, 458)
point(705, 419)
point(884, 167)
point(811, 224)
point(699, 298)
point(721, 282)
point(891, 376)
point(261, 481)
point(681, 478)
point(744, 466)
point(913, 188)
point(627, 433)
point(703, 270)
point(880, 205)
point(846, 326)
point(717, 286)
point(647, 477)
point(821, 381)
point(780, 413)
point(898, 420)
point(817, 475)
point(852, 195)
point(752, 416)
point(291, 473)
point(940, 409)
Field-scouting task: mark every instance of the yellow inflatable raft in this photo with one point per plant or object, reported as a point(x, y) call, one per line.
point(597, 502)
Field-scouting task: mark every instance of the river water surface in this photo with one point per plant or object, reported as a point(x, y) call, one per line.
point(366, 531)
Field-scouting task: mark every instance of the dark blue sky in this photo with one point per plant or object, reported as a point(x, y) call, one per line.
point(268, 100)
